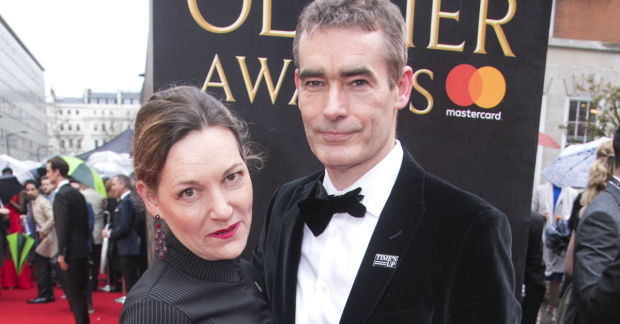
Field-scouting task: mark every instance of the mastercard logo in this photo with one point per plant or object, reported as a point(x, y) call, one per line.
point(484, 87)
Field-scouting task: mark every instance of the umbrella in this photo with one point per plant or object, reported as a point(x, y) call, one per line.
point(20, 246)
point(38, 172)
point(110, 164)
point(571, 167)
point(546, 141)
point(20, 168)
point(9, 187)
point(85, 174)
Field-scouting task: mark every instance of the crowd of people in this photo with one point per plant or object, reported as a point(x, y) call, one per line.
point(581, 270)
point(371, 238)
point(67, 222)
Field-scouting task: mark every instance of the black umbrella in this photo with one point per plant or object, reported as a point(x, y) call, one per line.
point(38, 172)
point(9, 187)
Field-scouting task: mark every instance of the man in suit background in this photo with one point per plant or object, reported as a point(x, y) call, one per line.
point(597, 239)
point(97, 203)
point(534, 280)
point(603, 307)
point(40, 210)
point(124, 231)
point(71, 218)
point(416, 250)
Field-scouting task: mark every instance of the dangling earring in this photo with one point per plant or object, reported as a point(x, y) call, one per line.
point(160, 240)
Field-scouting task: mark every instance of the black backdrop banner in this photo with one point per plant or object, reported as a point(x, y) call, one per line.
point(474, 113)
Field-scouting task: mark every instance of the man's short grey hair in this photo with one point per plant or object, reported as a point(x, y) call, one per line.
point(362, 15)
point(124, 179)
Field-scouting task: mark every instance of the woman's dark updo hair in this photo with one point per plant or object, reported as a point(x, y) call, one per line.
point(169, 116)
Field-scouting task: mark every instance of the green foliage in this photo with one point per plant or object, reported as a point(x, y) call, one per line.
point(605, 98)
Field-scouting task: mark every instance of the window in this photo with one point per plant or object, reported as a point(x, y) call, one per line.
point(128, 113)
point(62, 143)
point(69, 127)
point(94, 126)
point(94, 112)
point(103, 127)
point(77, 127)
point(68, 112)
point(79, 143)
point(60, 112)
point(96, 143)
point(136, 101)
point(127, 101)
point(70, 143)
point(111, 113)
point(92, 101)
point(77, 112)
point(61, 127)
point(579, 116)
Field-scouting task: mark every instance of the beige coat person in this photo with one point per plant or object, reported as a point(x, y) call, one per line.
point(43, 214)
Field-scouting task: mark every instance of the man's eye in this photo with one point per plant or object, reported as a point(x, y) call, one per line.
point(188, 192)
point(313, 83)
point(359, 82)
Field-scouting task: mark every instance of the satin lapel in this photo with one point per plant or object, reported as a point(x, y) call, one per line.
point(395, 229)
point(289, 253)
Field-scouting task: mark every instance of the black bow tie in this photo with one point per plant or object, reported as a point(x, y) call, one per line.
point(317, 212)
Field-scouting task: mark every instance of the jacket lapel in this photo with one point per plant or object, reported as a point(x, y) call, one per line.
point(290, 247)
point(395, 229)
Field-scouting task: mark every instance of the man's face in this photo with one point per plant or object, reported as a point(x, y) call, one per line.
point(32, 191)
point(52, 175)
point(117, 187)
point(347, 106)
point(46, 186)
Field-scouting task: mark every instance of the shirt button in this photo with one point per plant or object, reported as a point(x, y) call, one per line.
point(335, 232)
point(324, 288)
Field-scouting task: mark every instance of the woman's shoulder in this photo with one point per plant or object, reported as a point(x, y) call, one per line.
point(144, 306)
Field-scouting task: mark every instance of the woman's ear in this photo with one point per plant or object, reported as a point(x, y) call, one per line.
point(148, 197)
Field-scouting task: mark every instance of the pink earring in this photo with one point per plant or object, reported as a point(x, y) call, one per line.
point(160, 240)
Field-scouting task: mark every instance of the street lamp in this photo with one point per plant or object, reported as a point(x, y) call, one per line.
point(40, 147)
point(7, 139)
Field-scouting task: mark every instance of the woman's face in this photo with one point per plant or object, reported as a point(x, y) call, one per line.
point(205, 194)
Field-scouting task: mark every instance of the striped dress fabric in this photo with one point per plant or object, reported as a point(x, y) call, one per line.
point(184, 288)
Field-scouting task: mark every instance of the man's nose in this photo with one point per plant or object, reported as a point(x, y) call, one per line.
point(336, 103)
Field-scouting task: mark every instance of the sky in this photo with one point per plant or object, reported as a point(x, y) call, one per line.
point(83, 44)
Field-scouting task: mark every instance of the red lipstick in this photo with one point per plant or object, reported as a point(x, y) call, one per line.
point(226, 233)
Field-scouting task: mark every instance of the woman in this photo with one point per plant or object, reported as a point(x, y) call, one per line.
point(191, 158)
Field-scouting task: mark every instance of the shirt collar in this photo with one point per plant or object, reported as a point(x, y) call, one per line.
point(125, 194)
point(62, 183)
point(376, 184)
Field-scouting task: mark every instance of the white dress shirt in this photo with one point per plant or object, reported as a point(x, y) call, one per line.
point(62, 183)
point(329, 262)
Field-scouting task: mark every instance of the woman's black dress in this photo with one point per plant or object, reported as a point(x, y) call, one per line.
point(184, 288)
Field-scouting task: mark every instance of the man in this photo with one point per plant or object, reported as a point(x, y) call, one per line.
point(97, 202)
point(47, 189)
point(71, 217)
point(596, 243)
point(124, 231)
point(40, 210)
point(418, 249)
point(534, 280)
point(603, 307)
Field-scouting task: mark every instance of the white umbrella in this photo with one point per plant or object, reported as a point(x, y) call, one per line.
point(21, 169)
point(571, 167)
point(109, 164)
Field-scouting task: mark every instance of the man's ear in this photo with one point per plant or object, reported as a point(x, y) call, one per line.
point(404, 86)
point(148, 197)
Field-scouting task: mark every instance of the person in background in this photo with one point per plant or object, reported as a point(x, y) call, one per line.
point(603, 307)
point(123, 233)
point(40, 209)
point(71, 219)
point(555, 204)
point(114, 272)
point(597, 242)
point(534, 279)
point(9, 278)
point(4, 231)
point(47, 189)
point(601, 171)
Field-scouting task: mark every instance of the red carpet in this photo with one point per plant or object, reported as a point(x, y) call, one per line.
point(14, 309)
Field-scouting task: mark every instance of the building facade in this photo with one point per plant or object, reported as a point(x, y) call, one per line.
point(584, 41)
point(77, 125)
point(23, 127)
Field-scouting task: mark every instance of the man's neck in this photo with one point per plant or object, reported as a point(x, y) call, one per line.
point(344, 177)
point(59, 181)
point(122, 194)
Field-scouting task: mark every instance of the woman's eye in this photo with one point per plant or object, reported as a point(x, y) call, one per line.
point(231, 177)
point(188, 192)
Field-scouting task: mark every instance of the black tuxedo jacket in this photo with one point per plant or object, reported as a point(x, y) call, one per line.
point(71, 220)
point(124, 236)
point(454, 261)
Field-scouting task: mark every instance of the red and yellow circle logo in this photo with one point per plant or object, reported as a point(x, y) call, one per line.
point(484, 87)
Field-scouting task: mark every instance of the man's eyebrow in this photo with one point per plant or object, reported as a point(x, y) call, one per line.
point(307, 73)
point(357, 72)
